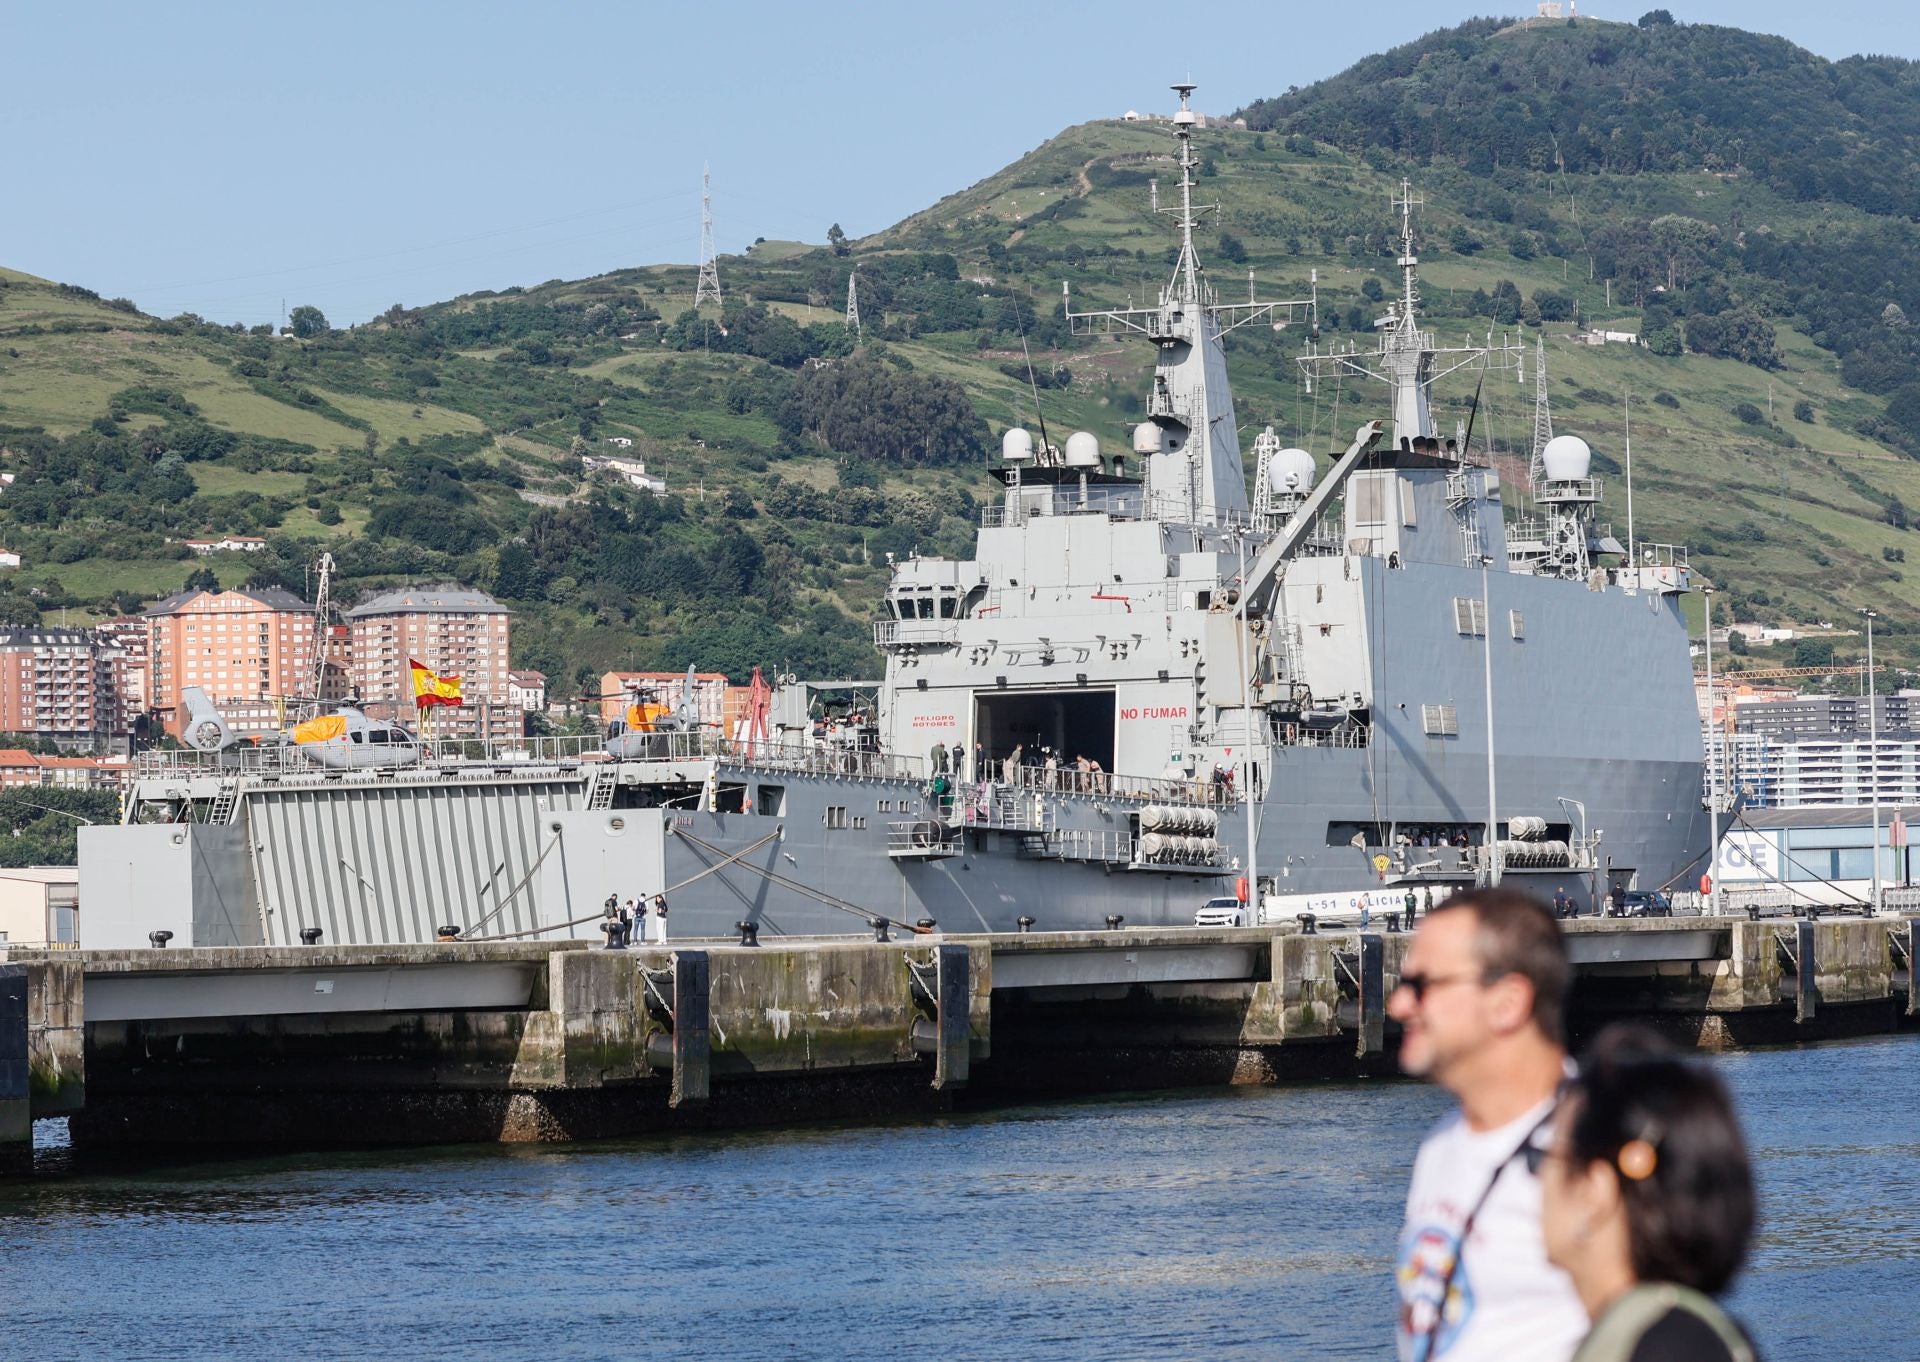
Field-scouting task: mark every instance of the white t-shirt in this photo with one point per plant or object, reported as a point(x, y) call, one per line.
point(1506, 1300)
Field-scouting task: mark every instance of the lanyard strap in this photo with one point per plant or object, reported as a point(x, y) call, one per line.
point(1432, 1333)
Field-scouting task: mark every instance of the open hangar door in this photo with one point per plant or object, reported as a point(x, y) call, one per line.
point(1073, 723)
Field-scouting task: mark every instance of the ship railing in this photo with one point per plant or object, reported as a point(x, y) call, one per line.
point(827, 756)
point(890, 632)
point(1662, 555)
point(1109, 845)
point(987, 804)
point(1119, 503)
point(1347, 734)
point(507, 754)
point(1070, 780)
point(272, 757)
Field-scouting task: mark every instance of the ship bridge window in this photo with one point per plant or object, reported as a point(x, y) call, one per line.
point(1068, 724)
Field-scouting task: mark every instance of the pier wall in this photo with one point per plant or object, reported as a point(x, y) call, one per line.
point(427, 1044)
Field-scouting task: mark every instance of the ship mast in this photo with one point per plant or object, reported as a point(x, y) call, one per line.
point(1403, 356)
point(1186, 272)
point(1189, 442)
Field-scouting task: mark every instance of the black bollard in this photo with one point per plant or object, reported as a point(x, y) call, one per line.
point(1393, 922)
point(159, 939)
point(309, 936)
point(1753, 912)
point(612, 928)
point(926, 924)
point(880, 929)
point(1306, 923)
point(1113, 921)
point(749, 933)
point(1025, 923)
point(447, 933)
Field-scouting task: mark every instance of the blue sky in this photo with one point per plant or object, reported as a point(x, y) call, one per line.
point(217, 158)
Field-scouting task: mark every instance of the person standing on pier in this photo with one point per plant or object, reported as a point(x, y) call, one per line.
point(1479, 1003)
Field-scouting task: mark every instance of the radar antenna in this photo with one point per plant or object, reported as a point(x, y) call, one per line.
point(1403, 355)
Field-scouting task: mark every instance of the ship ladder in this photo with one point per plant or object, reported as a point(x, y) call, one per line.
point(223, 804)
point(602, 794)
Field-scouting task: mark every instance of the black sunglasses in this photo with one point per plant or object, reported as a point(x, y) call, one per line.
point(1421, 984)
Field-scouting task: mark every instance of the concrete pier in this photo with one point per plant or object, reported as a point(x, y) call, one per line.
point(505, 1041)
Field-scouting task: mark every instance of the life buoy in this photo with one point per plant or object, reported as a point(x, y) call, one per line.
point(1240, 889)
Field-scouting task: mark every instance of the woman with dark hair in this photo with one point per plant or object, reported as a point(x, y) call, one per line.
point(1647, 1203)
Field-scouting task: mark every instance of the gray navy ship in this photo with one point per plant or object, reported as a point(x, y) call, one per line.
point(1148, 697)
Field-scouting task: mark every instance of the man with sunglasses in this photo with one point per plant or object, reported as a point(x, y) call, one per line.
point(1479, 1002)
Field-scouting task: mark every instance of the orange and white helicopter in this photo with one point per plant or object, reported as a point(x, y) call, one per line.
point(345, 740)
point(642, 732)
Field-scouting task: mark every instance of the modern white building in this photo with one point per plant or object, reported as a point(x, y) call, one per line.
point(40, 906)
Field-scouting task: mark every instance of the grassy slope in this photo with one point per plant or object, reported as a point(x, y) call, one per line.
point(1776, 511)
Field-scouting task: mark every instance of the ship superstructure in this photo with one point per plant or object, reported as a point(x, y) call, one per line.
point(1145, 689)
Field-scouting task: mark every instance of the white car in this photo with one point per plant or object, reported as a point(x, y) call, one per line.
point(1221, 913)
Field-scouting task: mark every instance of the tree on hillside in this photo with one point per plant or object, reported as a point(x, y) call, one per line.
point(837, 239)
point(201, 579)
point(308, 321)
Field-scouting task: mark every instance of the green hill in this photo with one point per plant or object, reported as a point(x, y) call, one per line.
point(1637, 177)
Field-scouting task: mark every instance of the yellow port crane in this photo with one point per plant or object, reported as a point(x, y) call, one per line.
point(1785, 673)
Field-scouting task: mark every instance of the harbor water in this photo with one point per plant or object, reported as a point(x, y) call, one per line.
point(1226, 1224)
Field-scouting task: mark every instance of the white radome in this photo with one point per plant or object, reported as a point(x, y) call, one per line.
point(1149, 438)
point(1016, 446)
point(1083, 449)
point(1291, 471)
point(1567, 458)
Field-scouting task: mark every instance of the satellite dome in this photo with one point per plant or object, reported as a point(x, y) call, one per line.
point(1083, 450)
point(1291, 471)
point(1149, 438)
point(1566, 459)
point(1016, 446)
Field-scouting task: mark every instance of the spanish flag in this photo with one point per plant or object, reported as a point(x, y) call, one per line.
point(430, 690)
